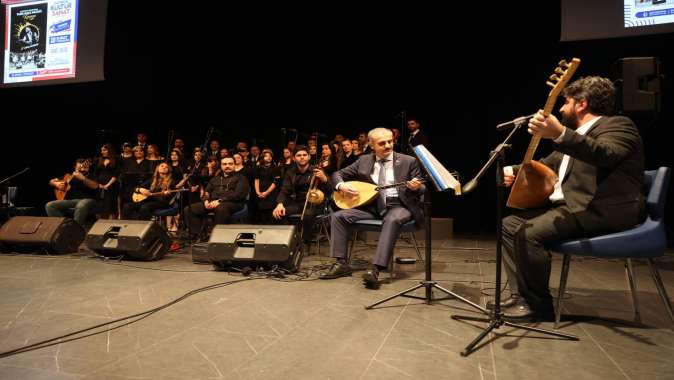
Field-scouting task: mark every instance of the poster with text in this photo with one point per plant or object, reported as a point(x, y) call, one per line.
point(648, 12)
point(40, 40)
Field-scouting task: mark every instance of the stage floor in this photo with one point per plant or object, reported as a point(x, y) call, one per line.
point(266, 329)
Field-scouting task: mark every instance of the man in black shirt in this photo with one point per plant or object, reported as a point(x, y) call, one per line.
point(417, 136)
point(349, 156)
point(225, 194)
point(80, 190)
point(293, 195)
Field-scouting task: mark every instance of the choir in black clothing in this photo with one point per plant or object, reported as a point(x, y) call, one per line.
point(217, 180)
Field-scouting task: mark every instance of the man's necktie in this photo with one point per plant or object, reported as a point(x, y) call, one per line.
point(381, 201)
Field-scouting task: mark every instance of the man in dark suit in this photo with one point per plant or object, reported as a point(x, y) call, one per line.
point(417, 136)
point(394, 206)
point(600, 164)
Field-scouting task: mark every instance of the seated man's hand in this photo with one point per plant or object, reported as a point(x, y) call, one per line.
point(210, 205)
point(279, 212)
point(508, 176)
point(320, 174)
point(145, 192)
point(546, 127)
point(414, 184)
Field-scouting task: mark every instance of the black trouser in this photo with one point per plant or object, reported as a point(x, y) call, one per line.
point(526, 235)
point(196, 213)
point(308, 225)
point(143, 210)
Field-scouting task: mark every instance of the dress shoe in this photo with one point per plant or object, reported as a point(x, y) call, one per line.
point(371, 278)
point(505, 303)
point(338, 269)
point(522, 312)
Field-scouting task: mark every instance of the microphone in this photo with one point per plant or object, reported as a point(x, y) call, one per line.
point(514, 122)
point(470, 186)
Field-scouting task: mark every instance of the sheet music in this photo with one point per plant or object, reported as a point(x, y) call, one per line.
point(440, 176)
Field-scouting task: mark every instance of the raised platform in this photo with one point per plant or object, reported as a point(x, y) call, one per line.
point(267, 329)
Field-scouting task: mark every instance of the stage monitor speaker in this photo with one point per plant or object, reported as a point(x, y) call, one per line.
point(133, 239)
point(240, 245)
point(46, 234)
point(641, 80)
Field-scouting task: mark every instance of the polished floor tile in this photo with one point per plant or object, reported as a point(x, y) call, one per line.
point(317, 329)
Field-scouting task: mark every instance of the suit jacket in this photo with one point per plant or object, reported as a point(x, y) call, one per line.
point(405, 168)
point(605, 174)
point(419, 139)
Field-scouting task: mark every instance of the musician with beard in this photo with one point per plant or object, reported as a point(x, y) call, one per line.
point(293, 193)
point(81, 193)
point(599, 161)
point(224, 195)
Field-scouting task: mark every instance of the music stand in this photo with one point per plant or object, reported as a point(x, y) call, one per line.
point(443, 181)
point(496, 316)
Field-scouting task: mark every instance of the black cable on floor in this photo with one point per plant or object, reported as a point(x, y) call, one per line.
point(137, 316)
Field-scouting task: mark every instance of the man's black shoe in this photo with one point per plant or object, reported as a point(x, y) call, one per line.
point(338, 269)
point(522, 312)
point(506, 303)
point(371, 278)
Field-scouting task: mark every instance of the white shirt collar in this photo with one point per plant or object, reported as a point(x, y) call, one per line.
point(389, 157)
point(587, 125)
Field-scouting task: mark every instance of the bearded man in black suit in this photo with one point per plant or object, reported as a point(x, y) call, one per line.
point(599, 161)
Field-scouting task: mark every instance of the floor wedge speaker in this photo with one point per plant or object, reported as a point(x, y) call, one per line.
point(240, 245)
point(41, 234)
point(133, 239)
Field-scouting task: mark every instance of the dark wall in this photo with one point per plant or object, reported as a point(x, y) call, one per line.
point(250, 74)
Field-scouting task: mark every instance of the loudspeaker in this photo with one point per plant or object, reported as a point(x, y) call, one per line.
point(199, 252)
point(641, 84)
point(240, 245)
point(134, 239)
point(33, 233)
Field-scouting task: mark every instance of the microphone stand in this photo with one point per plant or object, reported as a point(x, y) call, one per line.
point(403, 126)
point(194, 168)
point(495, 317)
point(14, 175)
point(169, 143)
point(7, 179)
point(428, 283)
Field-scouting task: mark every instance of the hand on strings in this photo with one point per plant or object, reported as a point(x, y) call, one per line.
point(348, 190)
point(414, 184)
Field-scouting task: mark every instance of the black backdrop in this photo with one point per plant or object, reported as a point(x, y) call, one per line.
point(250, 73)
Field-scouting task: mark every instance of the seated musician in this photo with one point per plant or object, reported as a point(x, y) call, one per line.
point(394, 206)
point(293, 194)
point(599, 161)
point(157, 193)
point(81, 193)
point(224, 195)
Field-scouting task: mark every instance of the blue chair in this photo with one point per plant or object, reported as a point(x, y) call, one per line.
point(375, 225)
point(242, 215)
point(646, 241)
point(161, 214)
